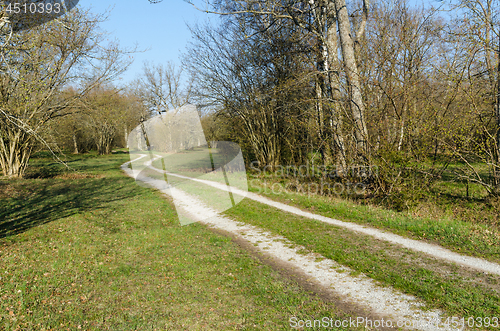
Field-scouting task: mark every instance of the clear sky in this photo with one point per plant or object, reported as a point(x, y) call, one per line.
point(160, 28)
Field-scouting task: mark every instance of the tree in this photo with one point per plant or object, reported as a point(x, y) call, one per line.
point(104, 115)
point(69, 132)
point(102, 120)
point(479, 34)
point(161, 87)
point(35, 66)
point(319, 19)
point(255, 81)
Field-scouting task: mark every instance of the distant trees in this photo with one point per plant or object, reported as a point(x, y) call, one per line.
point(162, 87)
point(104, 116)
point(256, 81)
point(102, 120)
point(405, 99)
point(479, 32)
point(315, 23)
point(469, 88)
point(388, 84)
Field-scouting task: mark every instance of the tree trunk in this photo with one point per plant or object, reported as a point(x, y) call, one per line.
point(15, 151)
point(320, 115)
point(401, 135)
point(357, 103)
point(498, 121)
point(320, 18)
point(126, 136)
point(334, 80)
point(487, 46)
point(75, 145)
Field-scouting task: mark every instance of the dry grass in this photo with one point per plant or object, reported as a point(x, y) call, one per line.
point(77, 175)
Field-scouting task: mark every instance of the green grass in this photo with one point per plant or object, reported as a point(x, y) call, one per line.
point(92, 249)
point(481, 240)
point(95, 251)
point(194, 162)
point(446, 195)
point(441, 285)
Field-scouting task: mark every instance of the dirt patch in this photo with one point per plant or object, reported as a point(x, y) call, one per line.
point(76, 175)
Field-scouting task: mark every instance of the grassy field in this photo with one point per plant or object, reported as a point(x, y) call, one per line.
point(92, 250)
point(442, 285)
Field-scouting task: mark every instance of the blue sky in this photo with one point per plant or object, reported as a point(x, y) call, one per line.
point(160, 28)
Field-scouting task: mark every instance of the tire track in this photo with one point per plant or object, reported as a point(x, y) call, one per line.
point(402, 310)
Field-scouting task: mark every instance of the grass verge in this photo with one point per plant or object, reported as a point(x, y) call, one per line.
point(463, 237)
point(441, 285)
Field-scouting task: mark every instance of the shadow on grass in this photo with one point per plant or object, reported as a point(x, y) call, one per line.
point(36, 202)
point(48, 171)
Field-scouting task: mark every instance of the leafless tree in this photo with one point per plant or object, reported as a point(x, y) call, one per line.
point(35, 66)
point(258, 79)
point(163, 87)
point(479, 34)
point(319, 19)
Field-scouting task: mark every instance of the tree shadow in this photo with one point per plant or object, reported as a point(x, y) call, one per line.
point(36, 202)
point(42, 173)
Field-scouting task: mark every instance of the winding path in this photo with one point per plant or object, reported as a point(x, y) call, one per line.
point(398, 308)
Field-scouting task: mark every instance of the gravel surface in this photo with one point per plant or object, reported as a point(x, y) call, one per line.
point(435, 251)
point(395, 306)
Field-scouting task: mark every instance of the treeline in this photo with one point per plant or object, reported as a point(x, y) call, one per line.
point(58, 91)
point(393, 85)
point(100, 121)
point(410, 91)
point(55, 87)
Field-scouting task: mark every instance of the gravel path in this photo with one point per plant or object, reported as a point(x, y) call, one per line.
point(397, 308)
point(435, 251)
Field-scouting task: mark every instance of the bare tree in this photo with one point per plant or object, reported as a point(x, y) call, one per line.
point(35, 65)
point(163, 88)
point(257, 79)
point(104, 115)
point(479, 32)
point(320, 20)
